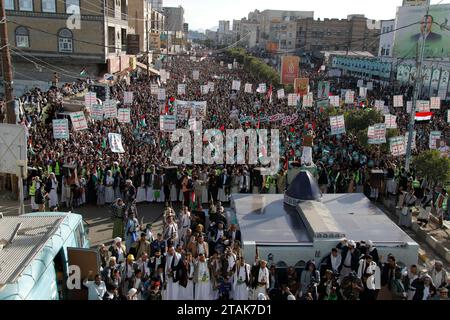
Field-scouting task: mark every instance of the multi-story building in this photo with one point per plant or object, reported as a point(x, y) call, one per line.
point(174, 18)
point(284, 33)
point(350, 34)
point(266, 17)
point(386, 38)
point(67, 36)
point(224, 26)
point(157, 5)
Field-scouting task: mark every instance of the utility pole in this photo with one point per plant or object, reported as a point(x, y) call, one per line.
point(7, 66)
point(417, 93)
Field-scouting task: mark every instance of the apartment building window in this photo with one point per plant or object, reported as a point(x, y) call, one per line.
point(22, 37)
point(65, 41)
point(70, 3)
point(9, 4)
point(49, 6)
point(26, 5)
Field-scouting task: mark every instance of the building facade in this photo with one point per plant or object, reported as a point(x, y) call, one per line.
point(386, 38)
point(48, 36)
point(350, 34)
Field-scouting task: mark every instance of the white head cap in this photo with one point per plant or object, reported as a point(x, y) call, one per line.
point(118, 239)
point(262, 296)
point(290, 297)
point(352, 243)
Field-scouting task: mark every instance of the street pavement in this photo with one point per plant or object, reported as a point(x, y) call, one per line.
point(100, 223)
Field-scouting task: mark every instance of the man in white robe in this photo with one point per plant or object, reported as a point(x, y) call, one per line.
point(53, 192)
point(187, 293)
point(170, 271)
point(241, 280)
point(202, 278)
point(261, 281)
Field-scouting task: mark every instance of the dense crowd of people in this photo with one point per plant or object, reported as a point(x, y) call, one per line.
point(204, 253)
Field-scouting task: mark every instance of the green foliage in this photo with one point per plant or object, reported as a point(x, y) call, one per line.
point(361, 119)
point(432, 166)
point(254, 65)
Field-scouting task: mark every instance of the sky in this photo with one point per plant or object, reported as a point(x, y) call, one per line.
point(204, 14)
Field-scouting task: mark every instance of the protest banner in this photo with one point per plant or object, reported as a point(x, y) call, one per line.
point(369, 86)
point(128, 97)
point(181, 89)
point(409, 107)
point(397, 146)
point(90, 98)
point(110, 109)
point(211, 86)
point(337, 125)
point(248, 88)
point(289, 120)
point(204, 89)
point(434, 136)
point(292, 99)
point(323, 89)
point(334, 101)
point(308, 100)
point(289, 69)
point(194, 109)
point(360, 83)
point(280, 94)
point(168, 123)
point(363, 92)
point(161, 94)
point(154, 89)
point(423, 106)
point(192, 124)
point(379, 105)
point(115, 142)
point(61, 129)
point(435, 103)
point(377, 134)
point(230, 66)
point(124, 115)
point(413, 142)
point(349, 97)
point(78, 121)
point(262, 88)
point(390, 121)
point(323, 104)
point(398, 101)
point(195, 75)
point(301, 86)
point(97, 112)
point(448, 116)
point(236, 85)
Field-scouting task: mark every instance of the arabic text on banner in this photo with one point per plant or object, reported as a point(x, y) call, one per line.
point(115, 142)
point(97, 112)
point(90, 98)
point(124, 115)
point(78, 121)
point(398, 101)
point(128, 97)
point(390, 121)
point(397, 146)
point(109, 109)
point(61, 129)
point(168, 123)
point(434, 136)
point(337, 125)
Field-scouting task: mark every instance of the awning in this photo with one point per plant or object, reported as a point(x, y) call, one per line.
point(144, 67)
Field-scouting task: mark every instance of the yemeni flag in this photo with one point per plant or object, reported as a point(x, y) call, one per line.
point(83, 72)
point(423, 116)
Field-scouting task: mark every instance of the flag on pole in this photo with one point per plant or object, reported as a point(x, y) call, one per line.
point(424, 116)
point(269, 94)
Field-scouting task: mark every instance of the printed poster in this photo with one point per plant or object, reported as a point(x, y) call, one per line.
point(61, 129)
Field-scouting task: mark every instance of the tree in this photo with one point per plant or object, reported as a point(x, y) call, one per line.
point(432, 166)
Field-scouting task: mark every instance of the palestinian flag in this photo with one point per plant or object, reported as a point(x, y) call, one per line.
point(269, 94)
point(83, 72)
point(424, 116)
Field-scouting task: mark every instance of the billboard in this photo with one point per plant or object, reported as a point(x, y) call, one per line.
point(432, 30)
point(415, 2)
point(289, 69)
point(133, 44)
point(301, 86)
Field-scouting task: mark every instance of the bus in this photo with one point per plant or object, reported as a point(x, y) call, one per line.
point(36, 252)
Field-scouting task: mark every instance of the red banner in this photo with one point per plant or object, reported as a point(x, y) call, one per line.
point(289, 69)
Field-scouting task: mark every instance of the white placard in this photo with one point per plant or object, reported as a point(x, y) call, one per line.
point(236, 85)
point(398, 101)
point(413, 142)
point(13, 147)
point(97, 112)
point(390, 121)
point(168, 123)
point(408, 107)
point(230, 66)
point(292, 99)
point(128, 97)
point(124, 115)
point(360, 83)
point(90, 98)
point(78, 121)
point(397, 146)
point(435, 103)
point(349, 97)
point(280, 94)
point(195, 75)
point(308, 100)
point(211, 86)
point(434, 136)
point(192, 124)
point(379, 105)
point(423, 106)
point(204, 89)
point(362, 92)
point(115, 142)
point(248, 88)
point(337, 124)
point(61, 129)
point(377, 134)
point(369, 86)
point(335, 101)
point(110, 109)
point(154, 89)
point(161, 94)
point(262, 88)
point(181, 89)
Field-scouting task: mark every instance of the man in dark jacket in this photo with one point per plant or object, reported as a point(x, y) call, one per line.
point(350, 258)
